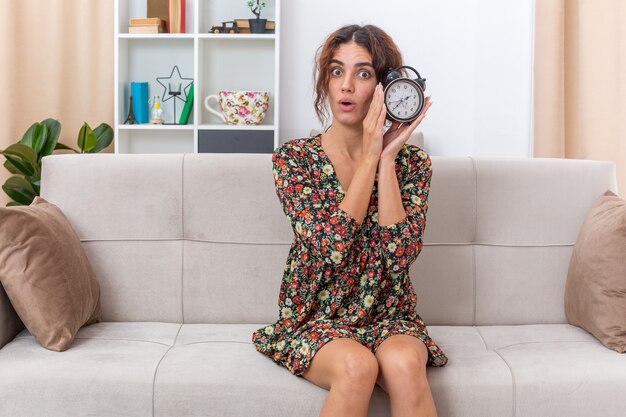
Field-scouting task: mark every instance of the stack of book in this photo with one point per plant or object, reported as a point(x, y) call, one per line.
point(148, 25)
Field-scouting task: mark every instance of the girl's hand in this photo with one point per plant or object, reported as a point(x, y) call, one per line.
point(373, 126)
point(398, 134)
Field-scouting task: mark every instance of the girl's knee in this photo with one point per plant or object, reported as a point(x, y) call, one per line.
point(359, 366)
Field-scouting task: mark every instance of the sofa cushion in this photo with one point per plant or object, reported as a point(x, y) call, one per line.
point(558, 370)
point(109, 371)
point(46, 273)
point(595, 290)
point(215, 367)
point(166, 369)
point(510, 239)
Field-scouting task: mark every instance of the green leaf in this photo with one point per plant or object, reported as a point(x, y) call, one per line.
point(29, 137)
point(19, 190)
point(86, 138)
point(54, 130)
point(14, 203)
point(11, 168)
point(40, 139)
point(59, 145)
point(104, 137)
point(35, 137)
point(23, 158)
point(36, 184)
point(22, 167)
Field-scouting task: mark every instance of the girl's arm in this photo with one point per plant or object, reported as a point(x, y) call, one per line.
point(401, 234)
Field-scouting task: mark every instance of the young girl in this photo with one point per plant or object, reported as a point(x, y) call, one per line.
point(356, 197)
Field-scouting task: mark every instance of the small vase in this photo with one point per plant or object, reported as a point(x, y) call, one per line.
point(257, 25)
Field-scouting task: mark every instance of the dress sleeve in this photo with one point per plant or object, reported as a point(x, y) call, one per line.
point(401, 242)
point(328, 233)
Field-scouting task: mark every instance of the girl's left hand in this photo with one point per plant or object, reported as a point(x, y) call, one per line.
point(398, 134)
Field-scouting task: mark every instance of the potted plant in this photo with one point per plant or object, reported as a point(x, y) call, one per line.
point(257, 25)
point(41, 139)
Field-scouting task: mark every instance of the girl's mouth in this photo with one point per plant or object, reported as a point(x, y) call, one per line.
point(346, 105)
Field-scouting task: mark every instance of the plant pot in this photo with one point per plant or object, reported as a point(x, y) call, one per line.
point(257, 25)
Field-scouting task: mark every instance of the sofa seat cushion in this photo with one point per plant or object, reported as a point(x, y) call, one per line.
point(165, 369)
point(215, 368)
point(559, 369)
point(108, 371)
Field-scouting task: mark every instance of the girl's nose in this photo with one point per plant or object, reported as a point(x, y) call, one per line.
point(347, 84)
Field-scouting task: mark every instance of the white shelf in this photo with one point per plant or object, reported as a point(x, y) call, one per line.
point(215, 61)
point(236, 36)
point(235, 127)
point(155, 35)
point(144, 126)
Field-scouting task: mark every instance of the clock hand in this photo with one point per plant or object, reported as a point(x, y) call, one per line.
point(401, 101)
point(413, 96)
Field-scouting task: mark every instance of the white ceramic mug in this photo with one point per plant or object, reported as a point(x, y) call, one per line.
point(239, 107)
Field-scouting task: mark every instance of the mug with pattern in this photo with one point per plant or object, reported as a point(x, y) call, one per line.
point(240, 107)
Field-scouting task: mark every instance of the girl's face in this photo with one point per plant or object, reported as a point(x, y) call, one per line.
point(351, 84)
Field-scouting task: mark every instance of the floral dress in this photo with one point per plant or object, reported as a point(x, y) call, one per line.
point(343, 278)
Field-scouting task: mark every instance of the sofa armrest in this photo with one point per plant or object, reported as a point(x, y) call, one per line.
point(10, 322)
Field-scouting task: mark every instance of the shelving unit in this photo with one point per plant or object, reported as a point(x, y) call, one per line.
point(215, 61)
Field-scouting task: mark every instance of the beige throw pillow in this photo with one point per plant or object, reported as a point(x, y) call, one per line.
point(46, 273)
point(595, 291)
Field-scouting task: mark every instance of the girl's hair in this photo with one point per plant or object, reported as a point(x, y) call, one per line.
point(385, 55)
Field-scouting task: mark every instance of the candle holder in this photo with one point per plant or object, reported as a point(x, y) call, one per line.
point(175, 89)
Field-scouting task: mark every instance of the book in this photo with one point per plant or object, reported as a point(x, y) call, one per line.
point(145, 29)
point(147, 21)
point(159, 8)
point(139, 92)
point(184, 116)
point(176, 16)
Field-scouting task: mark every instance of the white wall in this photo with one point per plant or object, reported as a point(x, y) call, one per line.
point(476, 56)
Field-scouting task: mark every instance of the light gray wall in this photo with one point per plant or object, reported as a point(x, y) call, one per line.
point(476, 57)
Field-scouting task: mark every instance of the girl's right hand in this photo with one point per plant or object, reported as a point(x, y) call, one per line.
point(373, 126)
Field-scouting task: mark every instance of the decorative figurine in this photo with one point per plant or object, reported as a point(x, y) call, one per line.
point(156, 114)
point(131, 120)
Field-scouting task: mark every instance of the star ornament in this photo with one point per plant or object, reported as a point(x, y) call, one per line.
point(175, 80)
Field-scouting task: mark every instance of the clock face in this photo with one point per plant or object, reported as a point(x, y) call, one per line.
point(404, 100)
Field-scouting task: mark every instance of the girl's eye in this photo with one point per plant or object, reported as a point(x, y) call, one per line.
point(364, 74)
point(335, 71)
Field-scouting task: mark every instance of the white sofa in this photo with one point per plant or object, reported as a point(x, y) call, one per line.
point(189, 252)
